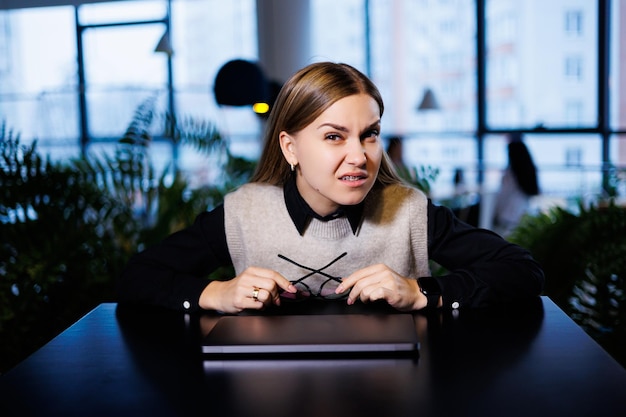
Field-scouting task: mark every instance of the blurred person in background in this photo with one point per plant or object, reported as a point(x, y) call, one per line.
point(519, 184)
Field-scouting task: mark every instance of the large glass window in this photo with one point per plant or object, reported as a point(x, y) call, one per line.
point(122, 64)
point(419, 46)
point(542, 63)
point(38, 77)
point(120, 75)
point(39, 70)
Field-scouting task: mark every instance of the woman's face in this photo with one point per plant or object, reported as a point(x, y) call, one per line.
point(338, 155)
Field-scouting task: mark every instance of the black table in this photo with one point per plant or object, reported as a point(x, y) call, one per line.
point(523, 360)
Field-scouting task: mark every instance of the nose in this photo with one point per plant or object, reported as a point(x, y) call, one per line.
point(355, 153)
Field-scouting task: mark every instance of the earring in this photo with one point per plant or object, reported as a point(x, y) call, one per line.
point(293, 167)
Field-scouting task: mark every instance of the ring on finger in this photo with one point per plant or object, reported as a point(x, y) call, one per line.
point(255, 294)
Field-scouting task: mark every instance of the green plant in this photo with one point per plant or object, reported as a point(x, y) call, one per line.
point(67, 229)
point(421, 177)
point(57, 249)
point(614, 182)
point(166, 202)
point(583, 255)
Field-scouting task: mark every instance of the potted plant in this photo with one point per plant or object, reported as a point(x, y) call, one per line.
point(583, 255)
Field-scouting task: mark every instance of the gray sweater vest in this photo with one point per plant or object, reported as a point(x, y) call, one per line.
point(393, 231)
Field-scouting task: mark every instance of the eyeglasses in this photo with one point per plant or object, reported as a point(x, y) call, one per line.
point(304, 290)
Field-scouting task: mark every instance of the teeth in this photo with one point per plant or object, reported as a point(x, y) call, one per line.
point(350, 178)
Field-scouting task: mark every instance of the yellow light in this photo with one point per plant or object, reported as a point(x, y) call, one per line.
point(261, 108)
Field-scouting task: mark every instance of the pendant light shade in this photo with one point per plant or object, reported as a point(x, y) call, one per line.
point(164, 44)
point(428, 102)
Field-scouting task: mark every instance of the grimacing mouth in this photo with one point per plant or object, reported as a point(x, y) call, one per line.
point(352, 177)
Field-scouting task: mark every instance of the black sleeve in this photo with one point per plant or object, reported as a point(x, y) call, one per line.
point(482, 267)
point(173, 273)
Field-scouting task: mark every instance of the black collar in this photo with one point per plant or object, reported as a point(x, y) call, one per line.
point(301, 213)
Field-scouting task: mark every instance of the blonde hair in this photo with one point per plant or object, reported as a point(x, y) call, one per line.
point(306, 95)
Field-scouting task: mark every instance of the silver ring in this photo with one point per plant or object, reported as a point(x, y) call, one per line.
point(255, 294)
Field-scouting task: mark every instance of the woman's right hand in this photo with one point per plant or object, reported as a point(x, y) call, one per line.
point(255, 288)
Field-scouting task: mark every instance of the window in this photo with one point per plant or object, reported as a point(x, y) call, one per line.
point(35, 103)
point(573, 68)
point(531, 67)
point(574, 112)
point(541, 72)
point(120, 76)
point(574, 23)
point(121, 67)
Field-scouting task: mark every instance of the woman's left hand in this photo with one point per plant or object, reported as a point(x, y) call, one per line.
point(379, 282)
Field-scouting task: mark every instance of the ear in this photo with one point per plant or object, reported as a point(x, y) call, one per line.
point(287, 145)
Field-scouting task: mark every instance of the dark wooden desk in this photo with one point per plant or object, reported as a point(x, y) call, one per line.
point(526, 360)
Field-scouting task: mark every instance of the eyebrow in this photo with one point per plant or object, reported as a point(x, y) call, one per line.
point(345, 129)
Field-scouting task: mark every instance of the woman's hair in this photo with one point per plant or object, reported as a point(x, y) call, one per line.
point(523, 167)
point(306, 95)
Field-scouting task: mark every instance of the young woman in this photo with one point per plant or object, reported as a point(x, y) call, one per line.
point(326, 216)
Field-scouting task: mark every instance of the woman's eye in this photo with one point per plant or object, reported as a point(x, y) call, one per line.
point(371, 135)
point(333, 137)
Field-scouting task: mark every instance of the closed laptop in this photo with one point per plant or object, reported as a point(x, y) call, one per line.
point(314, 334)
